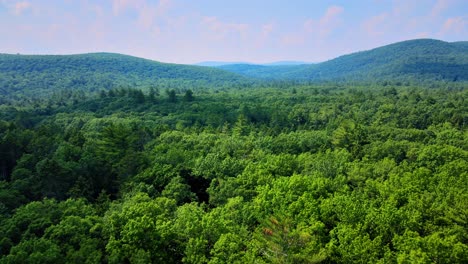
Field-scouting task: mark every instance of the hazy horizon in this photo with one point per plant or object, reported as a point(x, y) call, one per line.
point(178, 31)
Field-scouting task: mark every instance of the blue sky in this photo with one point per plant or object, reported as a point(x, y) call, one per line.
point(189, 31)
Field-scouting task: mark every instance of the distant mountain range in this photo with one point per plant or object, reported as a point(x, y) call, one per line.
point(422, 59)
point(41, 75)
point(224, 63)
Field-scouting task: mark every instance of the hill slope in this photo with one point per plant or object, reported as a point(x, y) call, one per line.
point(39, 75)
point(423, 58)
point(415, 59)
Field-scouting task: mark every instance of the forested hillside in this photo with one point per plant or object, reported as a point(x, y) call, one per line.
point(331, 173)
point(28, 79)
point(421, 60)
point(23, 77)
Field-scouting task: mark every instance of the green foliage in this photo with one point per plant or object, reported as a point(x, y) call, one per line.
point(140, 230)
point(331, 173)
point(52, 232)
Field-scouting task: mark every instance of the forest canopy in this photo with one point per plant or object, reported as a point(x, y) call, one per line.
point(288, 174)
point(182, 164)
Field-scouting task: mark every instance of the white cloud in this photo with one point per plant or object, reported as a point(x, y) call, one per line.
point(319, 28)
point(331, 15)
point(293, 39)
point(455, 25)
point(374, 25)
point(267, 29)
point(222, 29)
point(440, 6)
point(16, 7)
point(120, 6)
point(150, 14)
point(20, 7)
point(263, 37)
point(326, 24)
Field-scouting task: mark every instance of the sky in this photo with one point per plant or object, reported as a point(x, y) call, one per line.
point(257, 31)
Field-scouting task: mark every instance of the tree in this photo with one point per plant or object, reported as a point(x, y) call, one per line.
point(140, 230)
point(188, 97)
point(241, 128)
point(139, 96)
point(171, 95)
point(152, 95)
point(278, 241)
point(102, 94)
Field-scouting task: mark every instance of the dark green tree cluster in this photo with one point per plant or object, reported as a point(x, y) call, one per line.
point(325, 174)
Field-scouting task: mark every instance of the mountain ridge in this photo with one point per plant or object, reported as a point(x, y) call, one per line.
point(42, 75)
point(417, 59)
point(225, 63)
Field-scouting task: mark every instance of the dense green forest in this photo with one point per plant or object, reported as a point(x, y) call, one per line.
point(282, 174)
point(107, 158)
point(421, 60)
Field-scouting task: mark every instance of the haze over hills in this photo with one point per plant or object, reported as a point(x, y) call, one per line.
point(275, 72)
point(219, 63)
point(224, 63)
point(422, 59)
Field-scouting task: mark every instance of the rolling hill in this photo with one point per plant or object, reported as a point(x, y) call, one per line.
point(36, 76)
point(40, 75)
point(421, 59)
